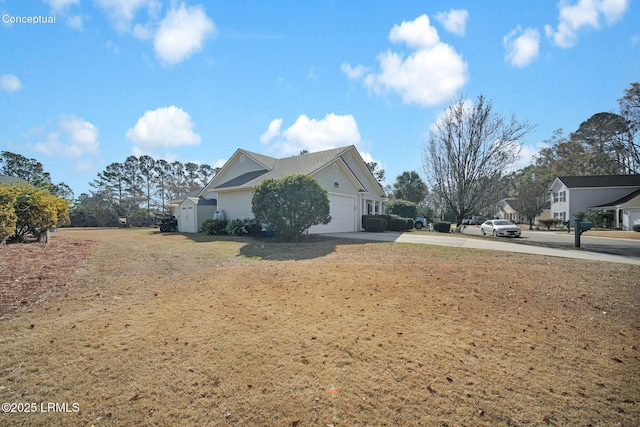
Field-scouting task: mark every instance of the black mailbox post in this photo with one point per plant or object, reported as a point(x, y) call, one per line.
point(581, 227)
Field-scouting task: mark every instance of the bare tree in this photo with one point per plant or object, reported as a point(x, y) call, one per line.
point(468, 150)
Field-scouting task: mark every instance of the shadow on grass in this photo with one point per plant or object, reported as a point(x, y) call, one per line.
point(263, 248)
point(309, 247)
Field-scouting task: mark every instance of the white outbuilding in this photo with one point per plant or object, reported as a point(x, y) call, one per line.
point(192, 212)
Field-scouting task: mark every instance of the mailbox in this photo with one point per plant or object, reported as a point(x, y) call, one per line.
point(584, 226)
point(581, 227)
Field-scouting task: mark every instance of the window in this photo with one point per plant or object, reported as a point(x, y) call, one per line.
point(559, 196)
point(560, 215)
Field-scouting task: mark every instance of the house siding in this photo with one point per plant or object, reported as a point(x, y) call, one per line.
point(236, 204)
point(327, 178)
point(582, 199)
point(349, 159)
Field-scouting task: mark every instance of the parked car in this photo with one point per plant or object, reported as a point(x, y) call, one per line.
point(420, 222)
point(476, 220)
point(500, 227)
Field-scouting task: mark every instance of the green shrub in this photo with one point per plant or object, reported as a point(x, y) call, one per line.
point(235, 227)
point(442, 227)
point(373, 223)
point(402, 208)
point(636, 227)
point(214, 227)
point(397, 223)
point(290, 205)
point(410, 222)
point(387, 220)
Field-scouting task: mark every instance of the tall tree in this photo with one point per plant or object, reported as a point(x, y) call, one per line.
point(602, 137)
point(147, 178)
point(113, 182)
point(630, 110)
point(468, 150)
point(162, 174)
point(20, 166)
point(409, 186)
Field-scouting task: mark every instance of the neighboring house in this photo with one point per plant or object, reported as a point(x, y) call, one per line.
point(627, 210)
point(353, 190)
point(507, 209)
point(571, 194)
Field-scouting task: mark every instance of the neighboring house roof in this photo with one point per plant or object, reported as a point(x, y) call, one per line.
point(6, 179)
point(305, 164)
point(593, 181)
point(631, 200)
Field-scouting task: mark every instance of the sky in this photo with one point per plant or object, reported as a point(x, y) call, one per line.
point(86, 83)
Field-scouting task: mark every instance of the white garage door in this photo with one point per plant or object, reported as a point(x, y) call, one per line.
point(343, 216)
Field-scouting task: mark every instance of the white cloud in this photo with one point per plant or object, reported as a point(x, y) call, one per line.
point(162, 128)
point(143, 31)
point(74, 137)
point(313, 135)
point(584, 14)
point(122, 12)
point(454, 21)
point(272, 132)
point(522, 46)
point(431, 74)
point(182, 33)
point(10, 83)
point(354, 73)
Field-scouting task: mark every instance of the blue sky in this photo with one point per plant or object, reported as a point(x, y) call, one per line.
point(193, 81)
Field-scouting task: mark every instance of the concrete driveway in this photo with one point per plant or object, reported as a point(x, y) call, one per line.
point(500, 244)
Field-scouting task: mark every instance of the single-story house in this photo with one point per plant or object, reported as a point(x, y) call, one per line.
point(192, 212)
point(571, 194)
point(353, 190)
point(627, 210)
point(507, 209)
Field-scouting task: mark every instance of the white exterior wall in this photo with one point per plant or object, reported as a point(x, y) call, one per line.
point(236, 204)
point(630, 217)
point(328, 176)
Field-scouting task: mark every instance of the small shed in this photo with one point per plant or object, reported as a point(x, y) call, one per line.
point(192, 212)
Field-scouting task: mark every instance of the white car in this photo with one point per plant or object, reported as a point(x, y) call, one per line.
point(500, 227)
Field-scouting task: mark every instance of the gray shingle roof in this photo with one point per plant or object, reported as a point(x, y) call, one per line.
point(304, 164)
point(600, 181)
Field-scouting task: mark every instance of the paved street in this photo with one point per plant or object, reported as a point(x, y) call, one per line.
point(625, 247)
point(498, 244)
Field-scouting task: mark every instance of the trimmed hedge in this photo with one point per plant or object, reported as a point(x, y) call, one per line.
point(442, 227)
point(372, 223)
point(636, 227)
point(397, 223)
point(410, 223)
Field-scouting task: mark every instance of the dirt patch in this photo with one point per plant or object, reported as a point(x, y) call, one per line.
point(166, 329)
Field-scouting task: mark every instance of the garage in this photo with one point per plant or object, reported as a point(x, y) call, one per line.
point(343, 215)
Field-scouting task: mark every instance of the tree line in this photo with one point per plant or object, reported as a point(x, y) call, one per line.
point(137, 189)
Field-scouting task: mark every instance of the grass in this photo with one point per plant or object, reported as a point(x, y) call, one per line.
point(171, 329)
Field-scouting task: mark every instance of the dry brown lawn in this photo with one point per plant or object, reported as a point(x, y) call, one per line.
point(135, 327)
